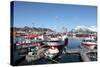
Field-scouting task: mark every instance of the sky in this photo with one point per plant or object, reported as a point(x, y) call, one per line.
point(53, 16)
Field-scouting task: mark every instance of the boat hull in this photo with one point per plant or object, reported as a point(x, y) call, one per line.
point(89, 46)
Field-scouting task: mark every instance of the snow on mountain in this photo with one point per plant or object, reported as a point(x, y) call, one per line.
point(85, 28)
point(93, 28)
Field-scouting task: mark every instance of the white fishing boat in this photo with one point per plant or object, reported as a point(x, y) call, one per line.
point(55, 43)
point(89, 43)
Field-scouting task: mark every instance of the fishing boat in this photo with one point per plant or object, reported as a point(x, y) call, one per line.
point(89, 42)
point(55, 43)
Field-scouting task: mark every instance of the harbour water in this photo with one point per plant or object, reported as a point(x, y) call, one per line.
point(74, 43)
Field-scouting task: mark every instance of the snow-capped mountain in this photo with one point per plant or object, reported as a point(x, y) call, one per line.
point(85, 29)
